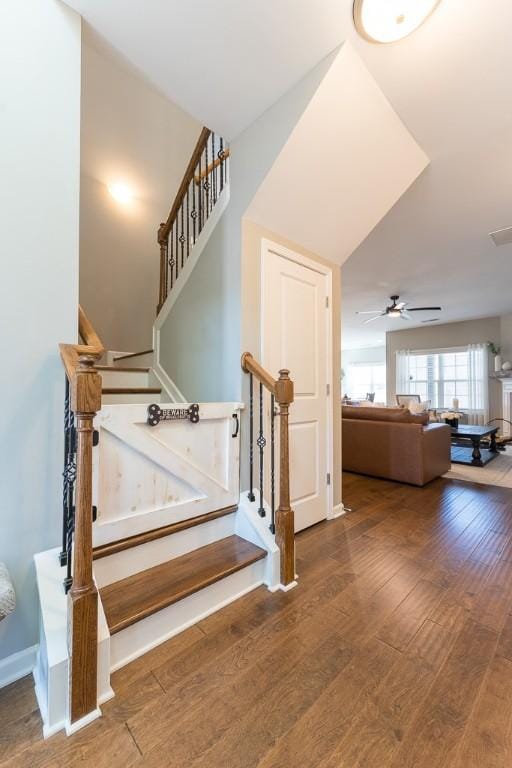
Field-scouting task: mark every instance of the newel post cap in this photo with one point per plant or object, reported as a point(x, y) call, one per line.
point(284, 388)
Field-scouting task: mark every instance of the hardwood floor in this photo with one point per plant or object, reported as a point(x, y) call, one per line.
point(394, 651)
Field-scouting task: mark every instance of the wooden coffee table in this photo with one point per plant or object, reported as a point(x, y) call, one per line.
point(466, 445)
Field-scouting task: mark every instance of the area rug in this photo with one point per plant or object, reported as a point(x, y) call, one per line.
point(497, 472)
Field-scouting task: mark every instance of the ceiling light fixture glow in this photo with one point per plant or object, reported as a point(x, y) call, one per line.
point(394, 313)
point(121, 192)
point(386, 21)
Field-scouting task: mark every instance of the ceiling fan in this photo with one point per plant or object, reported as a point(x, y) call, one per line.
point(396, 309)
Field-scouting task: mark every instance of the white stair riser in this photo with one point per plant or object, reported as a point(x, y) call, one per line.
point(123, 564)
point(130, 399)
point(120, 378)
point(134, 641)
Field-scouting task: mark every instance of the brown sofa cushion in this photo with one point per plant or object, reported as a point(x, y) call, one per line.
point(402, 415)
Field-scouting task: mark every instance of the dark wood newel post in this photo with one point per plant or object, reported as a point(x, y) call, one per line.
point(83, 597)
point(163, 242)
point(285, 526)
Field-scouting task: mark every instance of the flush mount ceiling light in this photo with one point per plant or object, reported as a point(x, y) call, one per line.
point(386, 21)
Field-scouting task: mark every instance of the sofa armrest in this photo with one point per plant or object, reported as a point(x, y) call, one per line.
point(436, 450)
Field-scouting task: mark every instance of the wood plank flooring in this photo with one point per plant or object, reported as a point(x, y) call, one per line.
point(394, 651)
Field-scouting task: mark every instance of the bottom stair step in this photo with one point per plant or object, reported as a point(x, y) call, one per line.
point(143, 594)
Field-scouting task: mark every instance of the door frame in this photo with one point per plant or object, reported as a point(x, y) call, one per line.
point(269, 246)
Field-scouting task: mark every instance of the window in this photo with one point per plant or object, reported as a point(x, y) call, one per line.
point(441, 376)
point(362, 378)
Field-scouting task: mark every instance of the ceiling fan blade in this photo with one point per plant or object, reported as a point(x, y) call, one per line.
point(405, 315)
point(370, 312)
point(400, 305)
point(371, 319)
point(424, 309)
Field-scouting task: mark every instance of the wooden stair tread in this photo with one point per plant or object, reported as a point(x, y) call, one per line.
point(131, 390)
point(127, 601)
point(158, 533)
point(117, 369)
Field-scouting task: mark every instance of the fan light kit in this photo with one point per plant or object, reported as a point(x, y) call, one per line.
point(397, 309)
point(386, 21)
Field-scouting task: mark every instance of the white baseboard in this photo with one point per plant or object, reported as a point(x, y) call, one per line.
point(287, 587)
point(78, 724)
point(337, 511)
point(17, 665)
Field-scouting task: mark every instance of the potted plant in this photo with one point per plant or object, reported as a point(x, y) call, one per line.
point(495, 350)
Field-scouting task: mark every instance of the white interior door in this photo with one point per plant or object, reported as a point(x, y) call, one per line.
point(296, 335)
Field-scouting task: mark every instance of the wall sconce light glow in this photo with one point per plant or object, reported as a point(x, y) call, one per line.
point(121, 192)
point(386, 21)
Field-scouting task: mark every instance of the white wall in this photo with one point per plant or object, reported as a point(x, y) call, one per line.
point(506, 337)
point(130, 132)
point(346, 163)
point(39, 199)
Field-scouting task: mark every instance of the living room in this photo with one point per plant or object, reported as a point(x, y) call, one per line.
point(440, 352)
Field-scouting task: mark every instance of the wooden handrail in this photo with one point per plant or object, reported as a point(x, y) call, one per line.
point(88, 334)
point(282, 389)
point(166, 226)
point(204, 174)
point(85, 394)
point(250, 365)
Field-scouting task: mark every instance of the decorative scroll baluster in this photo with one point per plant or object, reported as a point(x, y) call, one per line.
point(164, 266)
point(272, 466)
point(177, 251)
point(206, 183)
point(221, 158)
point(214, 174)
point(200, 197)
point(251, 495)
point(187, 218)
point(68, 487)
point(261, 442)
point(194, 212)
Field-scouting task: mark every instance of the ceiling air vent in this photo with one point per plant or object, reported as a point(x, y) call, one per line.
point(502, 236)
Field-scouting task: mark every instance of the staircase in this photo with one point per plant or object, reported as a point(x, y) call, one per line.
point(156, 534)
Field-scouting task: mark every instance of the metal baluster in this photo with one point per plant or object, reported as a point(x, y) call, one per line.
point(261, 445)
point(188, 222)
point(65, 475)
point(221, 158)
point(171, 261)
point(194, 210)
point(177, 250)
point(272, 525)
point(200, 199)
point(182, 236)
point(69, 477)
point(206, 184)
point(214, 174)
point(251, 495)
